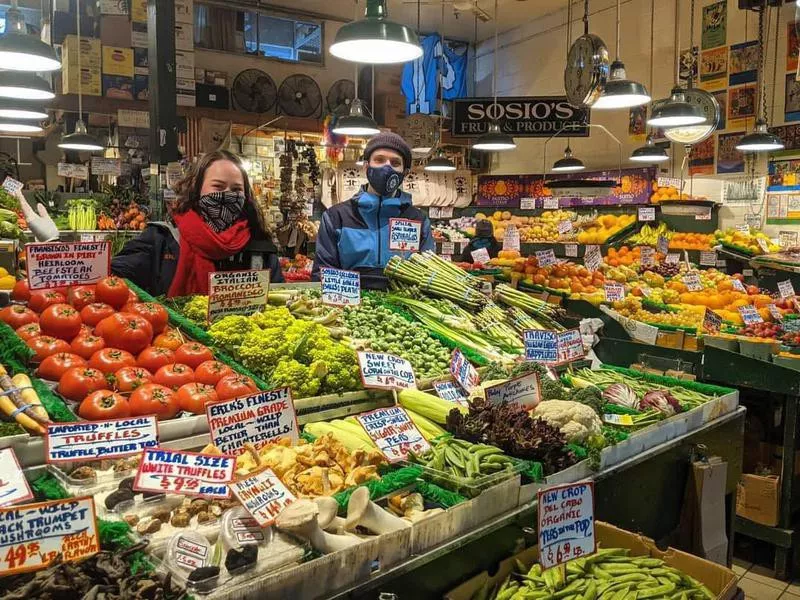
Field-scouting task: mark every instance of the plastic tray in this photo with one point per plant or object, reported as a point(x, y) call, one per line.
point(89, 486)
point(468, 487)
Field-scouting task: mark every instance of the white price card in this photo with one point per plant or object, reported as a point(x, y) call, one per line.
point(190, 473)
point(647, 214)
point(747, 272)
point(57, 264)
point(12, 186)
point(750, 315)
point(527, 203)
point(339, 287)
point(738, 285)
point(711, 321)
point(743, 228)
point(692, 281)
point(393, 432)
point(258, 419)
point(672, 259)
point(571, 250)
point(662, 246)
point(34, 535)
point(704, 214)
point(754, 221)
point(592, 258)
point(722, 264)
point(674, 182)
point(786, 288)
point(775, 312)
point(385, 371)
point(546, 258)
point(463, 372)
point(708, 258)
point(263, 495)
point(191, 554)
point(405, 234)
point(98, 440)
point(615, 291)
point(448, 248)
point(441, 212)
point(13, 484)
point(511, 238)
point(566, 523)
point(788, 239)
point(524, 391)
point(76, 171)
point(763, 244)
point(447, 390)
point(565, 227)
point(236, 293)
point(648, 257)
point(553, 347)
point(550, 203)
point(481, 255)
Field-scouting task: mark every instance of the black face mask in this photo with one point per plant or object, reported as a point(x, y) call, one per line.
point(221, 209)
point(385, 180)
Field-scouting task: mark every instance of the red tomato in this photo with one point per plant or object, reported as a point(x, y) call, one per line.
point(126, 332)
point(15, 316)
point(112, 290)
point(193, 354)
point(193, 397)
point(111, 360)
point(104, 404)
point(174, 375)
point(29, 331)
point(80, 296)
point(155, 313)
point(132, 297)
point(41, 299)
point(154, 399)
point(235, 386)
point(44, 345)
point(154, 358)
point(211, 371)
point(78, 382)
point(86, 345)
point(170, 340)
point(92, 314)
point(21, 291)
point(61, 321)
point(128, 379)
point(55, 365)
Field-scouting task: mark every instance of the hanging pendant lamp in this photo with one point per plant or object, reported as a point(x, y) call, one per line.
point(440, 163)
point(356, 124)
point(676, 112)
point(568, 163)
point(24, 86)
point(21, 109)
point(376, 40)
point(619, 91)
point(649, 153)
point(80, 140)
point(494, 139)
point(22, 52)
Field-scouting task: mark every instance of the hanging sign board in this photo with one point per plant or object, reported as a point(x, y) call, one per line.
point(263, 495)
point(180, 472)
point(405, 234)
point(57, 264)
point(531, 116)
point(393, 432)
point(463, 372)
point(236, 293)
point(566, 523)
point(98, 440)
point(385, 371)
point(524, 391)
point(339, 287)
point(13, 484)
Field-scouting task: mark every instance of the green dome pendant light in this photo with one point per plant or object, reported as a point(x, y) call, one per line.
point(80, 140)
point(22, 52)
point(376, 40)
point(494, 139)
point(569, 163)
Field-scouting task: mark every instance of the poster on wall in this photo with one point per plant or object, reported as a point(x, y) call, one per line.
point(637, 123)
point(792, 45)
point(729, 159)
point(701, 159)
point(741, 105)
point(791, 99)
point(715, 26)
point(743, 63)
point(687, 67)
point(789, 134)
point(714, 69)
point(722, 99)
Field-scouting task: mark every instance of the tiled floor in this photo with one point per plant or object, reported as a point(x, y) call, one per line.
point(757, 583)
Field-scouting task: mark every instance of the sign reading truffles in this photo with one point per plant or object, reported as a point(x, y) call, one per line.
point(532, 116)
point(52, 265)
point(258, 419)
point(236, 293)
point(98, 440)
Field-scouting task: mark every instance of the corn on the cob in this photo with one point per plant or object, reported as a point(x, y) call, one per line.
point(427, 428)
point(429, 406)
point(350, 441)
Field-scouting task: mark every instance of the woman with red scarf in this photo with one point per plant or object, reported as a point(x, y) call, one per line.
point(215, 227)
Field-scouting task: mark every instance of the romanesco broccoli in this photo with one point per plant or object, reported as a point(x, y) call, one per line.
point(298, 377)
point(273, 317)
point(230, 332)
point(197, 309)
point(342, 367)
point(261, 350)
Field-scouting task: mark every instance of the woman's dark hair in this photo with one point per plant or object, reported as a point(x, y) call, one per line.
point(187, 190)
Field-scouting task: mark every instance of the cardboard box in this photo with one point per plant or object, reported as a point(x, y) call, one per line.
point(388, 80)
point(720, 580)
point(184, 11)
point(90, 78)
point(758, 498)
point(184, 36)
point(90, 51)
point(184, 64)
point(64, 24)
point(390, 110)
point(114, 7)
point(118, 86)
point(118, 61)
point(141, 87)
point(141, 64)
point(139, 11)
point(670, 339)
point(139, 35)
point(115, 30)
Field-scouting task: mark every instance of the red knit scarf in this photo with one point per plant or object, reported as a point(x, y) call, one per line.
point(200, 247)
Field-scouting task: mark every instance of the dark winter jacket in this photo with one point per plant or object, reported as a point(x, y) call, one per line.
point(150, 259)
point(492, 246)
point(354, 236)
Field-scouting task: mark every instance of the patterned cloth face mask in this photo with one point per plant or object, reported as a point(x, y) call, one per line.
point(221, 209)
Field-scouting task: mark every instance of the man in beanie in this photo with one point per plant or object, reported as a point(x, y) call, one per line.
point(484, 238)
point(379, 222)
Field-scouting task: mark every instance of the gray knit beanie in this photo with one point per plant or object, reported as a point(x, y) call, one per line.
point(392, 141)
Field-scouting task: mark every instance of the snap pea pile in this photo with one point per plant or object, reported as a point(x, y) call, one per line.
point(609, 574)
point(462, 459)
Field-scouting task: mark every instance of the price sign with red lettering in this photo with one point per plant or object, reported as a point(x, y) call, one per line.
point(385, 371)
point(55, 264)
point(592, 258)
point(566, 523)
point(405, 234)
point(463, 372)
point(393, 432)
point(614, 291)
point(263, 495)
point(648, 257)
point(98, 440)
point(33, 535)
point(750, 315)
point(236, 293)
point(647, 213)
point(711, 321)
point(189, 473)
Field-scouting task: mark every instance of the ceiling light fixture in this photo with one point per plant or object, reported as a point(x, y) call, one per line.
point(619, 91)
point(24, 86)
point(22, 52)
point(676, 112)
point(440, 163)
point(19, 127)
point(80, 140)
point(568, 163)
point(376, 40)
point(494, 139)
point(19, 109)
point(649, 153)
point(356, 123)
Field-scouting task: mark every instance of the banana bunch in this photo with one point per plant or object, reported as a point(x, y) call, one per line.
point(648, 235)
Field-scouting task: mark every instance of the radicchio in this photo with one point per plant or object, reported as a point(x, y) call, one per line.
point(621, 394)
point(662, 401)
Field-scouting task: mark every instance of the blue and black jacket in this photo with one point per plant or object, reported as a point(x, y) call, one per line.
point(354, 235)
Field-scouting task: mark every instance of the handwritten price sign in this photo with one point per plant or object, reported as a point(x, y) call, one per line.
point(405, 234)
point(393, 432)
point(263, 495)
point(96, 440)
point(447, 390)
point(13, 485)
point(340, 288)
point(385, 371)
point(52, 265)
point(190, 473)
point(523, 391)
point(463, 372)
point(566, 523)
point(236, 293)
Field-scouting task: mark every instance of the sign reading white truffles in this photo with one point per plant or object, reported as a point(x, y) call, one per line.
point(531, 116)
point(189, 473)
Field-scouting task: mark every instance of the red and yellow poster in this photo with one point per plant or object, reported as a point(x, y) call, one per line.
point(714, 68)
point(701, 159)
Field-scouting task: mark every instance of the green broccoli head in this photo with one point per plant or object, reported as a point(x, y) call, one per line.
point(551, 390)
point(590, 396)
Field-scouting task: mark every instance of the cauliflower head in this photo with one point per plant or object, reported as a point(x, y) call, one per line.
point(575, 420)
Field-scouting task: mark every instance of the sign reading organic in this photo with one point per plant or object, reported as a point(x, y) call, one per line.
point(189, 473)
point(393, 432)
point(236, 293)
point(532, 116)
point(340, 288)
point(98, 440)
point(385, 371)
point(263, 495)
point(257, 419)
point(57, 264)
point(566, 523)
point(405, 234)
